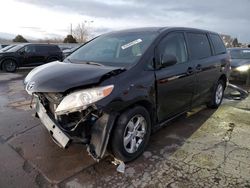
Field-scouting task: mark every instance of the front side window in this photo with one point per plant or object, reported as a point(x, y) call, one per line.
point(174, 44)
point(199, 46)
point(30, 49)
point(115, 49)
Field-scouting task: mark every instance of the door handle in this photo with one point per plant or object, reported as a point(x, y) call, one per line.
point(198, 68)
point(190, 70)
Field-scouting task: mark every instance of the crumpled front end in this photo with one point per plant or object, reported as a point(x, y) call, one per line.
point(67, 96)
point(90, 126)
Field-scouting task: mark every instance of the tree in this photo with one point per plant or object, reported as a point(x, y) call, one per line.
point(235, 42)
point(69, 39)
point(81, 33)
point(19, 38)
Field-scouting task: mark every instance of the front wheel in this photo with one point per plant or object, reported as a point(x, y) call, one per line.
point(9, 65)
point(217, 95)
point(131, 134)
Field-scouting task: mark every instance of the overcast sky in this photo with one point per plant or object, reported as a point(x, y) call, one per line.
point(52, 18)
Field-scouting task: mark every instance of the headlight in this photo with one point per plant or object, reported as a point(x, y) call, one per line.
point(243, 68)
point(80, 100)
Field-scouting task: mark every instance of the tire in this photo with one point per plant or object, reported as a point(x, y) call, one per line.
point(9, 65)
point(217, 95)
point(127, 140)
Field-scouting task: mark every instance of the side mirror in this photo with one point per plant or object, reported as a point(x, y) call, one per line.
point(167, 60)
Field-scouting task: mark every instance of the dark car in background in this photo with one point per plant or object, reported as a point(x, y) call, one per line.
point(240, 62)
point(26, 55)
point(120, 86)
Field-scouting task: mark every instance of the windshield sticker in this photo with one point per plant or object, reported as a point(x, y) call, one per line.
point(246, 51)
point(137, 41)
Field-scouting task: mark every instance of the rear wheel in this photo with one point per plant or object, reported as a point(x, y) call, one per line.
point(217, 95)
point(131, 134)
point(9, 65)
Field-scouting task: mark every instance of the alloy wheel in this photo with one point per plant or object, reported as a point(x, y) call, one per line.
point(10, 66)
point(219, 94)
point(134, 133)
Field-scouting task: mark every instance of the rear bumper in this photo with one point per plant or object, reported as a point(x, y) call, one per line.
point(56, 133)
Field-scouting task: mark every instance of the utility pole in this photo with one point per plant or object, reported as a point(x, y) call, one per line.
point(71, 29)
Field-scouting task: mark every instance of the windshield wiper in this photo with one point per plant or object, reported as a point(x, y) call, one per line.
point(69, 60)
point(93, 63)
point(85, 62)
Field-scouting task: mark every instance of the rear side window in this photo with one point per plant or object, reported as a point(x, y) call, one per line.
point(41, 49)
point(199, 46)
point(49, 48)
point(218, 44)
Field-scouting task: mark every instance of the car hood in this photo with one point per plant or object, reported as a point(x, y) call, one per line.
point(60, 76)
point(238, 62)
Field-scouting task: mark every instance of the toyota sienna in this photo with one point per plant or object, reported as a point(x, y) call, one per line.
point(112, 92)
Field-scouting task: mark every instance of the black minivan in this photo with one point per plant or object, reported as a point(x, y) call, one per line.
point(26, 55)
point(114, 90)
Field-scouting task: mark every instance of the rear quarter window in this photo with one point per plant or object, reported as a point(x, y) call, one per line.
point(199, 46)
point(219, 47)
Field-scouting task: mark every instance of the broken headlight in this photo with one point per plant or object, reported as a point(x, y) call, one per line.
point(80, 100)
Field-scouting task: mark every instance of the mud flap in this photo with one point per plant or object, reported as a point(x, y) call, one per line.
point(101, 131)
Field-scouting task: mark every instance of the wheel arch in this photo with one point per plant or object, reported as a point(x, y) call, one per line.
point(223, 77)
point(7, 58)
point(147, 105)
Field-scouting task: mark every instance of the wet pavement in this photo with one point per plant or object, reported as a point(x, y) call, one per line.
point(206, 148)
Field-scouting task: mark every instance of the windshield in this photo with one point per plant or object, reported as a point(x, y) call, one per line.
point(7, 48)
point(16, 48)
point(115, 49)
point(240, 53)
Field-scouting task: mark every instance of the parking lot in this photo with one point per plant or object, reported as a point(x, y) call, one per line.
point(206, 148)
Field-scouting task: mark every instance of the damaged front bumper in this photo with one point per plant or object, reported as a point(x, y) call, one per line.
point(99, 131)
point(57, 134)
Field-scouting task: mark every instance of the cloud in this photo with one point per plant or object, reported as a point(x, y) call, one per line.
point(95, 8)
point(144, 8)
point(225, 16)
